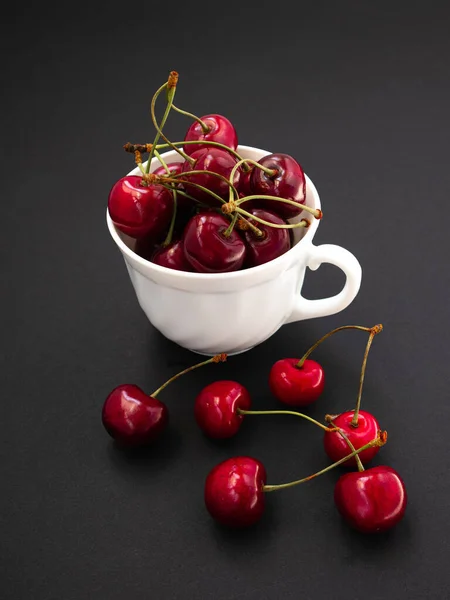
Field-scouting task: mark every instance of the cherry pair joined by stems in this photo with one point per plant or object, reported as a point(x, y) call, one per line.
point(134, 418)
point(370, 501)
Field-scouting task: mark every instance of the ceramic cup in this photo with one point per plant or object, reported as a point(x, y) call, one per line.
point(233, 312)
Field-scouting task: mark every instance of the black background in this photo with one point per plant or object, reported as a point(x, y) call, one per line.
point(359, 92)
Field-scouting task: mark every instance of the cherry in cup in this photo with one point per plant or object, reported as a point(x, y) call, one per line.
point(134, 418)
point(210, 128)
point(270, 244)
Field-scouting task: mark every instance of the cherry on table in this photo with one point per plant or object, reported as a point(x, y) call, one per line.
point(273, 243)
point(373, 500)
point(216, 408)
point(297, 385)
point(140, 210)
point(208, 249)
point(234, 491)
point(220, 130)
point(336, 446)
point(216, 161)
point(288, 182)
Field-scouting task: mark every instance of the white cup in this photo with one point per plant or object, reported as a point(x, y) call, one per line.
point(233, 312)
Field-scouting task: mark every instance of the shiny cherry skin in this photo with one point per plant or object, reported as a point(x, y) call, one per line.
point(214, 160)
point(234, 491)
point(206, 247)
point(140, 210)
point(371, 501)
point(289, 182)
point(245, 187)
point(335, 445)
point(296, 386)
point(172, 257)
point(176, 168)
point(272, 244)
point(132, 417)
point(221, 130)
point(216, 408)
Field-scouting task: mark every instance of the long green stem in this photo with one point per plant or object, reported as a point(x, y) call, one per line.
point(380, 440)
point(205, 127)
point(299, 365)
point(205, 172)
point(215, 359)
point(193, 142)
point(286, 412)
point(170, 95)
point(162, 161)
point(354, 422)
point(359, 464)
point(169, 235)
point(316, 212)
point(302, 223)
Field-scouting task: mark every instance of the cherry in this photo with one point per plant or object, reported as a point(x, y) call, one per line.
point(176, 168)
point(234, 491)
point(132, 417)
point(245, 188)
point(289, 182)
point(216, 408)
point(208, 249)
point(216, 161)
point(337, 447)
point(172, 257)
point(139, 210)
point(220, 130)
point(273, 243)
point(297, 385)
point(371, 501)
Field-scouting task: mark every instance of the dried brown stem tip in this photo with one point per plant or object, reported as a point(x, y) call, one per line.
point(173, 80)
point(138, 157)
point(219, 358)
point(242, 225)
point(137, 147)
point(229, 207)
point(376, 329)
point(382, 437)
point(150, 178)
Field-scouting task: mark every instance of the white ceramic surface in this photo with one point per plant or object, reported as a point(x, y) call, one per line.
point(233, 312)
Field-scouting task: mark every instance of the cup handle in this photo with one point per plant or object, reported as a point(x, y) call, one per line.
point(342, 258)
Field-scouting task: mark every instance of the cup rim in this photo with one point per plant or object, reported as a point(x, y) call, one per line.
point(231, 275)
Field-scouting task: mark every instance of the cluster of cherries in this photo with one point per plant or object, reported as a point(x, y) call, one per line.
point(371, 500)
point(212, 211)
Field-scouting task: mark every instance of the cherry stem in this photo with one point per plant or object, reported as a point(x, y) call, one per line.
point(159, 133)
point(170, 95)
point(214, 359)
point(205, 127)
point(162, 161)
point(373, 333)
point(379, 441)
point(230, 227)
point(329, 419)
point(287, 412)
point(299, 365)
point(205, 172)
point(316, 212)
point(208, 143)
point(174, 179)
point(302, 223)
point(169, 235)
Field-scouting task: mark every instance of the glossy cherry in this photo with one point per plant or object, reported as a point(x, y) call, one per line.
point(172, 257)
point(373, 500)
point(289, 182)
point(296, 386)
point(132, 417)
point(245, 188)
point(216, 408)
point(220, 130)
point(234, 491)
point(208, 249)
point(336, 446)
point(273, 243)
point(214, 160)
point(139, 210)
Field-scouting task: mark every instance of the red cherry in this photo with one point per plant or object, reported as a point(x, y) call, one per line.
point(335, 445)
point(373, 500)
point(140, 210)
point(206, 247)
point(216, 408)
point(214, 160)
point(234, 491)
point(289, 183)
point(272, 244)
point(176, 168)
point(245, 188)
point(296, 386)
point(172, 257)
point(132, 417)
point(220, 130)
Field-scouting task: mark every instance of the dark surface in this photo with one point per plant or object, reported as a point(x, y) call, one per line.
point(359, 92)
